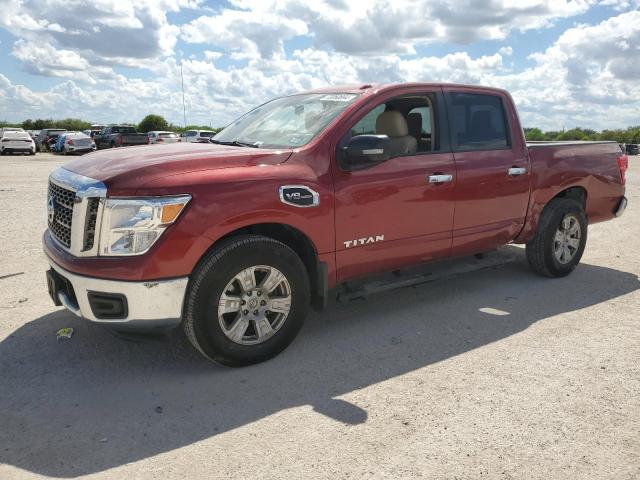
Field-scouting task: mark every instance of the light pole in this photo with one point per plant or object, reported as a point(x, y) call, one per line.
point(184, 108)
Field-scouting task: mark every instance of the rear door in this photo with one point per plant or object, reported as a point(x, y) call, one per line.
point(493, 172)
point(389, 215)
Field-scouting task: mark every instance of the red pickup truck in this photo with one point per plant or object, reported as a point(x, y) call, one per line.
point(235, 240)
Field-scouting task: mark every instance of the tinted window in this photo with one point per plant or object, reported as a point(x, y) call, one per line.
point(207, 134)
point(191, 133)
point(127, 130)
point(478, 122)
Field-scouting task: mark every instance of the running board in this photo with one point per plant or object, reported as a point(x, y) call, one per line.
point(442, 270)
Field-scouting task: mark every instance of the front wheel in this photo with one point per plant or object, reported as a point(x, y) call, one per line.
point(247, 300)
point(558, 245)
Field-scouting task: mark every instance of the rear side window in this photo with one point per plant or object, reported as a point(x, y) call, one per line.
point(478, 122)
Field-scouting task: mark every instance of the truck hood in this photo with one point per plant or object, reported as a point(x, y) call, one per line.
point(134, 167)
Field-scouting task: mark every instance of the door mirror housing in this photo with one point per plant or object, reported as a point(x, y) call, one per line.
point(364, 151)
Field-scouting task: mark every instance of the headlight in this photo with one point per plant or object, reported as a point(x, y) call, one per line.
point(132, 226)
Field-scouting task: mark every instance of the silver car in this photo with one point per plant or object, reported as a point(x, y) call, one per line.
point(163, 137)
point(76, 142)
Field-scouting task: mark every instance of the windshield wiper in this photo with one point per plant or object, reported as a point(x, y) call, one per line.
point(235, 143)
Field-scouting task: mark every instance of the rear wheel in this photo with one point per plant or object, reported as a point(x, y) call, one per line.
point(560, 240)
point(247, 301)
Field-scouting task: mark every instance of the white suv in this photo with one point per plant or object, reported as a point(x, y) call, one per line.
point(198, 136)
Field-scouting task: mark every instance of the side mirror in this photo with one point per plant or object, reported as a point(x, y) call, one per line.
point(364, 151)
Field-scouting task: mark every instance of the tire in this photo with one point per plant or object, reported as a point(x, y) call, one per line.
point(218, 273)
point(545, 251)
point(112, 145)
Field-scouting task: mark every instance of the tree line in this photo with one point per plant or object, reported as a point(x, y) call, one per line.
point(158, 122)
point(629, 135)
point(147, 124)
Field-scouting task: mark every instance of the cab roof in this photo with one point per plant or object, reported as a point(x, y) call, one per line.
point(369, 87)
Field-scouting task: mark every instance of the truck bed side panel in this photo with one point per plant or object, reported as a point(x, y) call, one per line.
point(557, 167)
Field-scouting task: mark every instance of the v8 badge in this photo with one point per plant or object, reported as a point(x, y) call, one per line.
point(299, 196)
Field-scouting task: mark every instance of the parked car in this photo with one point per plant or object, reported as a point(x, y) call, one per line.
point(46, 136)
point(632, 149)
point(163, 137)
point(13, 141)
point(235, 240)
point(74, 142)
point(95, 130)
point(33, 133)
point(198, 136)
point(10, 129)
point(120, 136)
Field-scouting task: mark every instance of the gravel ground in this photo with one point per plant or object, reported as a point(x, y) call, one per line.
point(497, 373)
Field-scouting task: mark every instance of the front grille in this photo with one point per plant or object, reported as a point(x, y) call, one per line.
point(61, 216)
point(90, 224)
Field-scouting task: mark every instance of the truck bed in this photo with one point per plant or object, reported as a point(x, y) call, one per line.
point(589, 165)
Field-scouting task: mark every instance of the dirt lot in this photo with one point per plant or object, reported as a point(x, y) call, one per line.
point(494, 374)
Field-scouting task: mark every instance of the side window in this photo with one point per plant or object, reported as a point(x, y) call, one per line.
point(425, 120)
point(478, 122)
point(419, 123)
point(115, 130)
point(367, 124)
point(191, 133)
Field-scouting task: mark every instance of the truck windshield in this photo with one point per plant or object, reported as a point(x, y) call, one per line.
point(286, 122)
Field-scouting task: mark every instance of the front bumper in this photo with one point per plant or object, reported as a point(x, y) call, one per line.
point(148, 304)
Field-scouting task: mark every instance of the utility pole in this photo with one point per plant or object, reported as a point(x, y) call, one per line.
point(184, 108)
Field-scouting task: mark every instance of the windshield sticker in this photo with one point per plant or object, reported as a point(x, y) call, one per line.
point(338, 97)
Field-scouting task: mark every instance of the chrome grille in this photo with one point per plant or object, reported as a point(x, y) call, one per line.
point(61, 217)
point(74, 210)
point(91, 221)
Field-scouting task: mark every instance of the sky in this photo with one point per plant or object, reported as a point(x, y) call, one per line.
point(567, 63)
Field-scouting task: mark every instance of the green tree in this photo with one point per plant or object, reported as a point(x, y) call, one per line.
point(534, 134)
point(153, 122)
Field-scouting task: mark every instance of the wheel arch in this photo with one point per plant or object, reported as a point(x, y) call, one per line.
point(574, 192)
point(300, 243)
point(577, 193)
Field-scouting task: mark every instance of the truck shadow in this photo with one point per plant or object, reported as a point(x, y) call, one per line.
point(95, 402)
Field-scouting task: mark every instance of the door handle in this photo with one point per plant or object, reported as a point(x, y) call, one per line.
point(515, 171)
point(440, 178)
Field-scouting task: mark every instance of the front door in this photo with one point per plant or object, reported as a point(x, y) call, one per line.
point(392, 215)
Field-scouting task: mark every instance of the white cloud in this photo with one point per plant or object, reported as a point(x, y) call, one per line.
point(398, 26)
point(586, 77)
point(507, 51)
point(112, 31)
point(245, 33)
